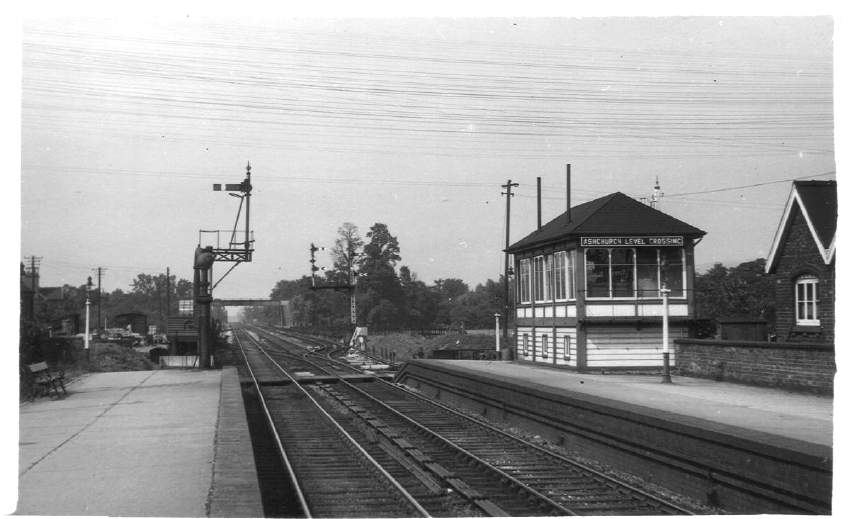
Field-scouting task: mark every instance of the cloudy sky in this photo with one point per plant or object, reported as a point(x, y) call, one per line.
point(415, 123)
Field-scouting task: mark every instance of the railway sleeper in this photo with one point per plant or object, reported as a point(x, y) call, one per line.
point(490, 508)
point(439, 470)
point(402, 443)
point(432, 484)
point(465, 490)
point(419, 456)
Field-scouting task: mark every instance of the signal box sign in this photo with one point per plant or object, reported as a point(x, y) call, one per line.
point(632, 241)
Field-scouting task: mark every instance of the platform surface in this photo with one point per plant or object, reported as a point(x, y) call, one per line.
point(771, 411)
point(139, 443)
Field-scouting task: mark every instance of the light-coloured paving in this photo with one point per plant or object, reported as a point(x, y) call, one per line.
point(773, 411)
point(136, 443)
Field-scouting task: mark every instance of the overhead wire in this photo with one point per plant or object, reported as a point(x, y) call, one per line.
point(541, 124)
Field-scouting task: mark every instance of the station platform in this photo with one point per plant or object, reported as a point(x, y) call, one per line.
point(701, 435)
point(164, 443)
point(764, 414)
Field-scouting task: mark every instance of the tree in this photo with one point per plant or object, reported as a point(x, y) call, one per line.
point(286, 290)
point(346, 250)
point(709, 292)
point(751, 292)
point(421, 301)
point(382, 249)
point(378, 280)
point(742, 291)
point(451, 288)
point(476, 309)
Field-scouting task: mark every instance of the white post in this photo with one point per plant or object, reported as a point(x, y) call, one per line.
point(498, 348)
point(665, 333)
point(86, 338)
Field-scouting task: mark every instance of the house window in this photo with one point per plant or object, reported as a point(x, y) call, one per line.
point(540, 288)
point(807, 301)
point(525, 281)
point(545, 348)
point(524, 344)
point(567, 347)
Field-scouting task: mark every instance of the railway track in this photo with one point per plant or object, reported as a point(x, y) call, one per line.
point(459, 466)
point(332, 475)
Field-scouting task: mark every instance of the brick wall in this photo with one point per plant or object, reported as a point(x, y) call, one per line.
point(800, 255)
point(800, 366)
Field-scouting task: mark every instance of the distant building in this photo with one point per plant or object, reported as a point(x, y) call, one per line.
point(803, 259)
point(32, 294)
point(137, 322)
point(588, 285)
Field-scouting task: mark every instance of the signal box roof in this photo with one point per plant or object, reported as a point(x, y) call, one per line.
point(612, 215)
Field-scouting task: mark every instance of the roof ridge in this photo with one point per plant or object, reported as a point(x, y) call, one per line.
point(603, 201)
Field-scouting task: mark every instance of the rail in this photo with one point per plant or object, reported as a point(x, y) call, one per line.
point(410, 500)
point(624, 495)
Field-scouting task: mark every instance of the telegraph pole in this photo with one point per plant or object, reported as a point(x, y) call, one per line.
point(99, 295)
point(167, 294)
point(508, 195)
point(34, 264)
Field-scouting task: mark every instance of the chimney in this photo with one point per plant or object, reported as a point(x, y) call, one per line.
point(539, 210)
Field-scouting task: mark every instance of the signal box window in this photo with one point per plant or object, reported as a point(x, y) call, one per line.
point(623, 272)
point(672, 271)
point(598, 273)
point(525, 281)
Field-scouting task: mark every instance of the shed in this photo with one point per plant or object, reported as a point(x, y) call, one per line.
point(138, 322)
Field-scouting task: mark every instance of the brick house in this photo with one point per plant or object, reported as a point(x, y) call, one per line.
point(802, 258)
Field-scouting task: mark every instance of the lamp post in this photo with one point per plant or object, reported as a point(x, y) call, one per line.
point(88, 305)
point(665, 334)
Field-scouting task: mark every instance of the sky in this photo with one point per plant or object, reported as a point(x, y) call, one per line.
point(413, 122)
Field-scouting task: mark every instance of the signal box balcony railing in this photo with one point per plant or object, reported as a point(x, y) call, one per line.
point(225, 244)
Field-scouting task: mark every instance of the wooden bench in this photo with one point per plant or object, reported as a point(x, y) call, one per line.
point(46, 379)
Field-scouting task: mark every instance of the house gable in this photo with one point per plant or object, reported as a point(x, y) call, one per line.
point(817, 202)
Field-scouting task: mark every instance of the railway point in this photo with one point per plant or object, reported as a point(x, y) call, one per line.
point(163, 443)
